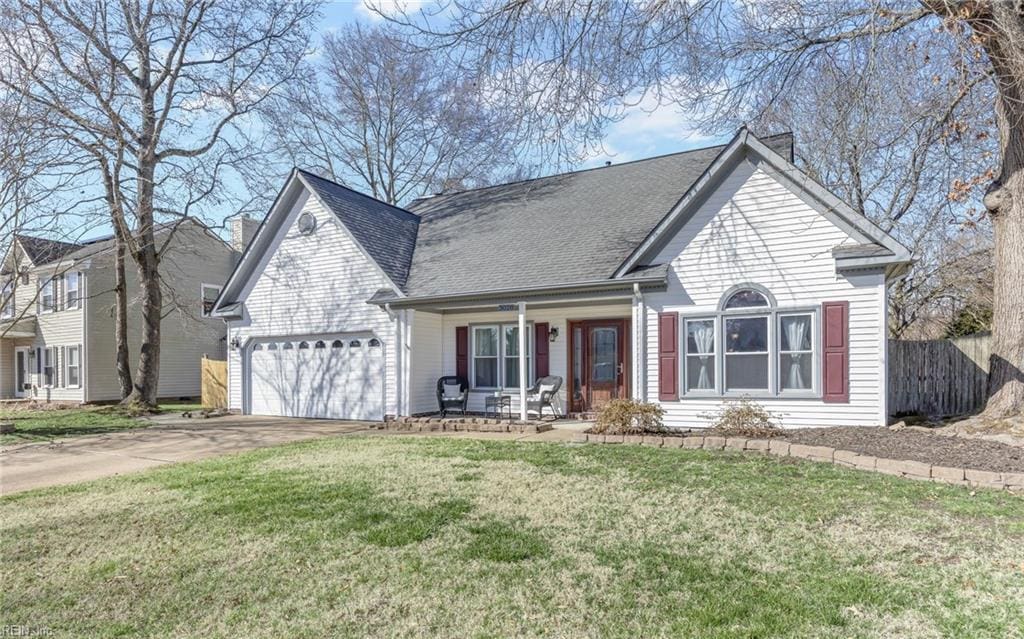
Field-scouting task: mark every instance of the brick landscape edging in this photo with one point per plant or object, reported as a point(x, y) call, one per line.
point(463, 424)
point(781, 448)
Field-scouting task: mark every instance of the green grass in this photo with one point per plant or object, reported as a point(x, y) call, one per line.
point(53, 424)
point(412, 537)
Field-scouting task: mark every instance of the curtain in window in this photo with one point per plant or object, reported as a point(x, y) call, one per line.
point(704, 337)
point(796, 333)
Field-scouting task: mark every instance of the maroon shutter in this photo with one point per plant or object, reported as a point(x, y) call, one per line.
point(835, 351)
point(668, 356)
point(541, 348)
point(462, 352)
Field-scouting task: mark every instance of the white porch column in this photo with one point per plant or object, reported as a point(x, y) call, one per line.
point(522, 361)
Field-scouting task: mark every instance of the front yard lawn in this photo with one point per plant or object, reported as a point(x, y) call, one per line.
point(46, 424)
point(410, 537)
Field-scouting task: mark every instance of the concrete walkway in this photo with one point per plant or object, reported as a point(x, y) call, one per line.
point(174, 439)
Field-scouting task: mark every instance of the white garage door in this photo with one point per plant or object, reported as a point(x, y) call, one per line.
point(329, 377)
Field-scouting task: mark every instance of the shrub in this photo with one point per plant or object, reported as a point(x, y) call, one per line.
point(744, 418)
point(629, 417)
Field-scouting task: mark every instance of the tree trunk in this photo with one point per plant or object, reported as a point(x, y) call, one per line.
point(147, 375)
point(1002, 34)
point(124, 368)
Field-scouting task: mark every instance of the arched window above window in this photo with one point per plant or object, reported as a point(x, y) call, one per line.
point(287, 346)
point(272, 346)
point(303, 345)
point(355, 343)
point(258, 347)
point(374, 343)
point(320, 344)
point(337, 344)
point(747, 296)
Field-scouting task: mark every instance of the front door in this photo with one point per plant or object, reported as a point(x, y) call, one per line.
point(598, 360)
point(21, 371)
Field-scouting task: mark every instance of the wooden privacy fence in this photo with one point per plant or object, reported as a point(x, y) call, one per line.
point(215, 383)
point(939, 376)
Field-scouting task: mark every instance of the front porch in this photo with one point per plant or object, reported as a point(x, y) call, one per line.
point(594, 343)
point(17, 358)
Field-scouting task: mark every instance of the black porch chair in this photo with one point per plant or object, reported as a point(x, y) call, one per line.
point(543, 393)
point(447, 400)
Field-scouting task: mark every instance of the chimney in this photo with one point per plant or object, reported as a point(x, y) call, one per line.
point(243, 228)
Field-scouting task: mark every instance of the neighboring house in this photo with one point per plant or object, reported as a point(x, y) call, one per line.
point(57, 321)
point(684, 280)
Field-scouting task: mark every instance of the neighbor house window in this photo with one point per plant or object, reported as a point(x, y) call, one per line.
point(50, 366)
point(47, 295)
point(7, 300)
point(750, 347)
point(71, 290)
point(72, 366)
point(496, 356)
point(209, 293)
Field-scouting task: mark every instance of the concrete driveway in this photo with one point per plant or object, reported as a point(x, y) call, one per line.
point(171, 439)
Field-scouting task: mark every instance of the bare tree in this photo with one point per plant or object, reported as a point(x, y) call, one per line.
point(374, 114)
point(162, 96)
point(578, 60)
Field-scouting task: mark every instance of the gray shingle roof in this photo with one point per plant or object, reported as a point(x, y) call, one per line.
point(43, 251)
point(573, 227)
point(387, 232)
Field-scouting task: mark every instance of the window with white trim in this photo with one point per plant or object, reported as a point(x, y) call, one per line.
point(47, 295)
point(495, 356)
point(73, 366)
point(50, 366)
point(700, 355)
point(750, 347)
point(7, 300)
point(796, 352)
point(72, 298)
point(209, 294)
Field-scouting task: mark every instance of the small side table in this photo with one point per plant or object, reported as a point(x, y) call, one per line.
point(497, 404)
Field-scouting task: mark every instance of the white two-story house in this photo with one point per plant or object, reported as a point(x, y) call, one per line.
point(57, 305)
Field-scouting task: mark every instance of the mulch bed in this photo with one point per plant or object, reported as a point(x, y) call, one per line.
point(939, 450)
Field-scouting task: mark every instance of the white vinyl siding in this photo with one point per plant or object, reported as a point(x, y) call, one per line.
point(754, 230)
point(311, 285)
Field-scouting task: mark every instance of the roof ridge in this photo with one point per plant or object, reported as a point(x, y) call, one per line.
point(360, 194)
point(587, 170)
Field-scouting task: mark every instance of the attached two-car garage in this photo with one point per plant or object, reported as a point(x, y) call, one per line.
point(337, 376)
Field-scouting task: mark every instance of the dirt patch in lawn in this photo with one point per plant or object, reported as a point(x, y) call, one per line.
point(939, 450)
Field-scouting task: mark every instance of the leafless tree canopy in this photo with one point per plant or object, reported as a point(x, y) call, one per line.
point(373, 113)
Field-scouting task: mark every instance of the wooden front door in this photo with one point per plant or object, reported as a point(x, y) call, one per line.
point(598, 363)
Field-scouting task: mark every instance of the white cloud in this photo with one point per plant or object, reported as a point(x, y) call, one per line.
point(372, 9)
point(649, 128)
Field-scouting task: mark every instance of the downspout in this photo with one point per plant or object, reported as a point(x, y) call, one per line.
point(639, 350)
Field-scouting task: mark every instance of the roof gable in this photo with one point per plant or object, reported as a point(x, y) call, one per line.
point(387, 233)
point(41, 251)
point(747, 146)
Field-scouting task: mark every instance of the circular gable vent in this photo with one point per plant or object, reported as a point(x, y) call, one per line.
point(307, 223)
